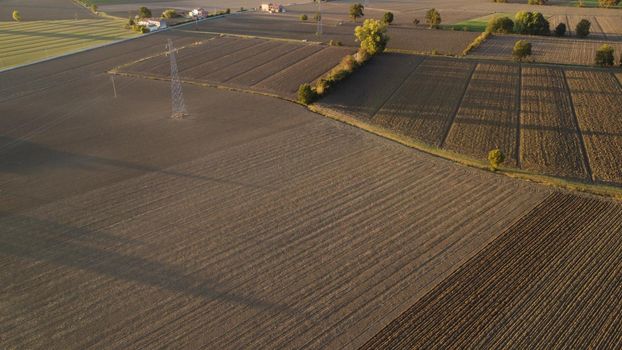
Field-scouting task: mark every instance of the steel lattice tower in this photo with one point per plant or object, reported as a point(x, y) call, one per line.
point(177, 96)
point(319, 22)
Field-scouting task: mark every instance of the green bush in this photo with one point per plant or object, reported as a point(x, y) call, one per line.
point(372, 36)
point(495, 159)
point(303, 17)
point(500, 25)
point(583, 28)
point(522, 49)
point(388, 18)
point(604, 56)
point(433, 18)
point(17, 16)
point(531, 23)
point(560, 30)
point(306, 94)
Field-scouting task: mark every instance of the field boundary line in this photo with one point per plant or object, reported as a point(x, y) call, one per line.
point(575, 119)
point(248, 36)
point(519, 101)
point(417, 64)
point(601, 189)
point(457, 108)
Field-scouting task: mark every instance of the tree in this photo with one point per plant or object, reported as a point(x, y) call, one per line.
point(388, 18)
point(531, 23)
point(356, 11)
point(536, 2)
point(372, 35)
point(17, 16)
point(608, 3)
point(144, 12)
point(170, 13)
point(522, 49)
point(500, 25)
point(560, 30)
point(604, 56)
point(306, 95)
point(432, 18)
point(583, 28)
point(495, 158)
point(303, 17)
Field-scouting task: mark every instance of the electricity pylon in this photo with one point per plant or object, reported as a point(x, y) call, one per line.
point(177, 96)
point(319, 21)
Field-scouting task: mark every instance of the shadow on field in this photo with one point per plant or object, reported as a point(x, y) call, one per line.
point(84, 249)
point(24, 157)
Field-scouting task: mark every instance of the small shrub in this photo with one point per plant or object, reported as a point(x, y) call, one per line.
point(560, 30)
point(306, 94)
point(17, 16)
point(144, 12)
point(94, 8)
point(362, 56)
point(495, 159)
point(416, 21)
point(433, 18)
point(335, 43)
point(317, 17)
point(303, 17)
point(228, 11)
point(356, 11)
point(608, 3)
point(388, 18)
point(522, 49)
point(604, 56)
point(500, 25)
point(536, 2)
point(170, 13)
point(583, 28)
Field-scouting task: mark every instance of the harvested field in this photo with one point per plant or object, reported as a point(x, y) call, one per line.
point(39, 10)
point(285, 26)
point(263, 65)
point(545, 49)
point(550, 140)
point(596, 96)
point(551, 280)
point(357, 95)
point(424, 106)
point(253, 223)
point(611, 26)
point(488, 114)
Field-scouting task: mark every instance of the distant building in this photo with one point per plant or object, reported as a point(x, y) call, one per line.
point(200, 13)
point(272, 8)
point(152, 24)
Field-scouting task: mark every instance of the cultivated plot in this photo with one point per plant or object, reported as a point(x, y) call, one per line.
point(488, 114)
point(424, 105)
point(550, 140)
point(24, 42)
point(545, 49)
point(596, 96)
point(263, 65)
point(568, 297)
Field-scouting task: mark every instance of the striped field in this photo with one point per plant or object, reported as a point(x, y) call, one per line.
point(24, 42)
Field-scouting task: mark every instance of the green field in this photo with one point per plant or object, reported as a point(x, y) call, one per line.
point(476, 24)
point(24, 42)
point(589, 3)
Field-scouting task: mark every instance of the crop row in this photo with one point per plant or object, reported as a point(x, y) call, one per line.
point(550, 281)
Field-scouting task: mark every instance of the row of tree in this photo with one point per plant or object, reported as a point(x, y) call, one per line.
point(533, 23)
